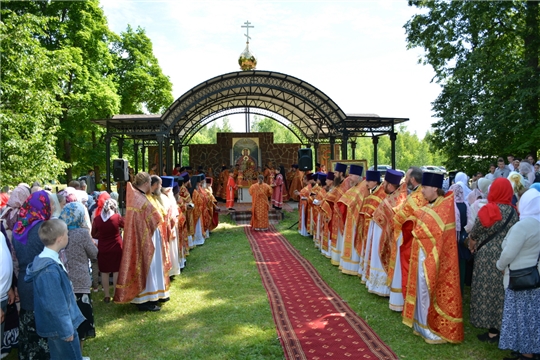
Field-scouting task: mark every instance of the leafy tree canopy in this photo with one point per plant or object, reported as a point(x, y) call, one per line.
point(485, 56)
point(61, 68)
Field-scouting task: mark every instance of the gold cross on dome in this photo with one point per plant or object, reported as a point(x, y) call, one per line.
point(247, 26)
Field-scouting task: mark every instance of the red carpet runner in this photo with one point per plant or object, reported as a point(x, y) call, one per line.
point(312, 321)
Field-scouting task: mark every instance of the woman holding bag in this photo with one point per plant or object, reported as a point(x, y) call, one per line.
point(521, 249)
point(487, 292)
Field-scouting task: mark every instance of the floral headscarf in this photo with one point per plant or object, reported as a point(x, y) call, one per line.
point(70, 194)
point(461, 176)
point(74, 215)
point(16, 200)
point(459, 197)
point(109, 209)
point(35, 209)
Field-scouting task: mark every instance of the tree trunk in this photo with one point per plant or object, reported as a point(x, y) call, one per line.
point(532, 50)
point(67, 159)
point(97, 175)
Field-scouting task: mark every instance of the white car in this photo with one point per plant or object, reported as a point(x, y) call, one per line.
point(432, 168)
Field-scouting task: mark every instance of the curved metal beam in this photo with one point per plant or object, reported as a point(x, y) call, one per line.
point(189, 135)
point(312, 111)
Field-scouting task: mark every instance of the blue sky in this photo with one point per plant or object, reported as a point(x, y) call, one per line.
point(354, 51)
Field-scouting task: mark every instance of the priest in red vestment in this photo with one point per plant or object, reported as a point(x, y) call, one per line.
point(143, 254)
point(278, 187)
point(260, 192)
point(343, 184)
point(400, 252)
point(349, 205)
point(382, 232)
point(303, 196)
point(296, 183)
point(433, 303)
point(231, 191)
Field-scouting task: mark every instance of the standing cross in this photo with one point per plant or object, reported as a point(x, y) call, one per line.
point(247, 26)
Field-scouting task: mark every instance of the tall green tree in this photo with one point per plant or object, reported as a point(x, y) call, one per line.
point(142, 86)
point(96, 74)
point(80, 30)
point(281, 133)
point(31, 82)
point(485, 56)
point(410, 150)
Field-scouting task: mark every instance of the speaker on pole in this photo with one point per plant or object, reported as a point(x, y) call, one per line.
point(305, 160)
point(120, 170)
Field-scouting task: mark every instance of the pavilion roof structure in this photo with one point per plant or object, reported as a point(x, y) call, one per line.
point(362, 125)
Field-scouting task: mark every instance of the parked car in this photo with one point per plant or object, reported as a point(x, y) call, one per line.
point(433, 168)
point(381, 168)
point(384, 168)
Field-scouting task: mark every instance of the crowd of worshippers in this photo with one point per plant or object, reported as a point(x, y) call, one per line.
point(419, 238)
point(54, 245)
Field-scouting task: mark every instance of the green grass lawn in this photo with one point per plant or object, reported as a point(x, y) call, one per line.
point(219, 310)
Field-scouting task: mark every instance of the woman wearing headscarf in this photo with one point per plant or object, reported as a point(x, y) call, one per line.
point(485, 239)
point(462, 210)
point(106, 228)
point(16, 199)
point(101, 198)
point(69, 193)
point(104, 196)
point(483, 187)
point(521, 248)
point(527, 171)
point(28, 245)
point(79, 250)
point(518, 185)
point(461, 176)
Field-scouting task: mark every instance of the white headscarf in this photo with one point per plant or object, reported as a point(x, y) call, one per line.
point(110, 207)
point(459, 197)
point(462, 177)
point(529, 205)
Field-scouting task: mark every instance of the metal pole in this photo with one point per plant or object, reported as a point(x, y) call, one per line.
point(344, 142)
point(375, 142)
point(160, 154)
point(108, 160)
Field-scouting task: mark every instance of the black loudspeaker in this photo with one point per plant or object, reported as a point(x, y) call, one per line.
point(305, 160)
point(120, 170)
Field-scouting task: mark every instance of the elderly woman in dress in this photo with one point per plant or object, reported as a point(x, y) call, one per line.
point(521, 249)
point(106, 228)
point(79, 250)
point(487, 292)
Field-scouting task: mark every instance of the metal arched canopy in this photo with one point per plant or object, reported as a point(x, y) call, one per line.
point(237, 111)
point(306, 107)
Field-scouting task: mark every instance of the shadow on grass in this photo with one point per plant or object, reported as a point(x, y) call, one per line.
point(385, 322)
point(218, 310)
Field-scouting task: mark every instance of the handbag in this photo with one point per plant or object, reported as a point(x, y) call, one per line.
point(489, 238)
point(524, 279)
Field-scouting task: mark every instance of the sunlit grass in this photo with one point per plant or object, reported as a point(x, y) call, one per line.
point(219, 310)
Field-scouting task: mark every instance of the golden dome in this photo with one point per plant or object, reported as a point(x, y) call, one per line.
point(247, 60)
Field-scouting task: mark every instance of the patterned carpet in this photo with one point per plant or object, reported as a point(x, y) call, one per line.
point(242, 212)
point(312, 321)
